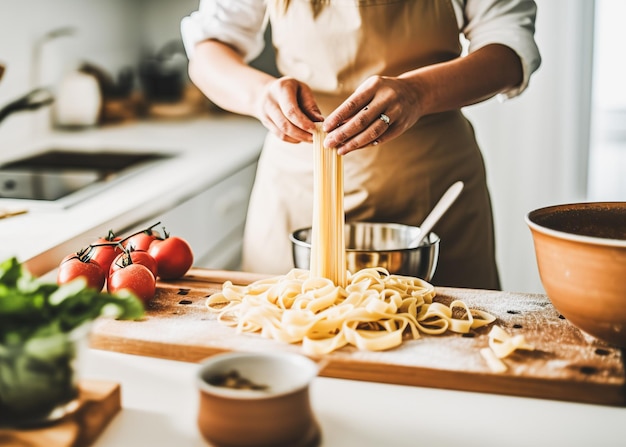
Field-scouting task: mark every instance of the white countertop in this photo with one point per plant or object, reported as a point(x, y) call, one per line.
point(209, 149)
point(159, 409)
point(159, 397)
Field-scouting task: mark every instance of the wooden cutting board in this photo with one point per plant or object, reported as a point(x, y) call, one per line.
point(566, 364)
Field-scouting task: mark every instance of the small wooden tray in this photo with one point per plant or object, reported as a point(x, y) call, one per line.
point(99, 402)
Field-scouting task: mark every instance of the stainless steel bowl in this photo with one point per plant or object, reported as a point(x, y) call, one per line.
point(377, 245)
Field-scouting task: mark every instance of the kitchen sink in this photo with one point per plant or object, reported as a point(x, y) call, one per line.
point(62, 177)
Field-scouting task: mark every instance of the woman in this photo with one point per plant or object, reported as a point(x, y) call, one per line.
point(388, 78)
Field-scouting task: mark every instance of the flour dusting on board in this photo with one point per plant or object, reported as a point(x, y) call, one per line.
point(566, 363)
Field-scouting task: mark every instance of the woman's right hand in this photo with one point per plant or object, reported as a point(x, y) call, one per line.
point(288, 109)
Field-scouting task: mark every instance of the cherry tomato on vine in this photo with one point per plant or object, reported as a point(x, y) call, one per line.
point(130, 256)
point(135, 278)
point(77, 265)
point(173, 255)
point(105, 249)
point(142, 239)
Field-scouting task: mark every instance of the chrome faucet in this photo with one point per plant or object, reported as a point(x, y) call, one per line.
point(35, 69)
point(33, 100)
point(38, 96)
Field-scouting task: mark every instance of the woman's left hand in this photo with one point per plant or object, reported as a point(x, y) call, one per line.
point(380, 109)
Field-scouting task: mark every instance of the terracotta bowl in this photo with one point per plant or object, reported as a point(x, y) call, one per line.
point(581, 257)
point(254, 399)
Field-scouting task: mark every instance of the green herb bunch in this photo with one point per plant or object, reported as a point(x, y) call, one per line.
point(40, 328)
point(31, 308)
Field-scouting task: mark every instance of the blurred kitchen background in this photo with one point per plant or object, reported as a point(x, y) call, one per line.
point(563, 140)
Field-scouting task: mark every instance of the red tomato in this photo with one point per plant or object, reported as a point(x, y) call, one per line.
point(141, 241)
point(105, 249)
point(173, 255)
point(75, 265)
point(104, 255)
point(134, 257)
point(136, 278)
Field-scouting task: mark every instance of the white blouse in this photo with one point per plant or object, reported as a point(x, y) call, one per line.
point(241, 24)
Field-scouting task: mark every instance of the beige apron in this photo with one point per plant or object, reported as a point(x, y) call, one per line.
point(399, 181)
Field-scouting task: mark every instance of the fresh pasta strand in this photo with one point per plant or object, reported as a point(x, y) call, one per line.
point(375, 311)
point(326, 307)
point(502, 345)
point(328, 258)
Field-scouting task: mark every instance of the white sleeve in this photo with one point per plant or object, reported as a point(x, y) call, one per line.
point(507, 22)
point(239, 23)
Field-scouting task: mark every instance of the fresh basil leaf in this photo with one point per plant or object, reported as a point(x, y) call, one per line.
point(31, 308)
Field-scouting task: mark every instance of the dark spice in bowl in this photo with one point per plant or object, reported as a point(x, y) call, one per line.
point(603, 220)
point(233, 379)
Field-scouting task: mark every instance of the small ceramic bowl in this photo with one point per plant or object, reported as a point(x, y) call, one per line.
point(257, 399)
point(581, 257)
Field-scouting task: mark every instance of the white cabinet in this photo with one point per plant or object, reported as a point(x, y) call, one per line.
point(212, 221)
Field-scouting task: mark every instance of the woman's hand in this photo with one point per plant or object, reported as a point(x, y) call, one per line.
point(379, 110)
point(362, 118)
point(288, 109)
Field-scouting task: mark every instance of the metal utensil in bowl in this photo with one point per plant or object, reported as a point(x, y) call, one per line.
point(446, 200)
point(372, 244)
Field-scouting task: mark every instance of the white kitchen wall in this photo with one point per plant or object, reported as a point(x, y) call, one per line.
point(536, 146)
point(608, 125)
point(161, 20)
point(108, 33)
point(104, 34)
